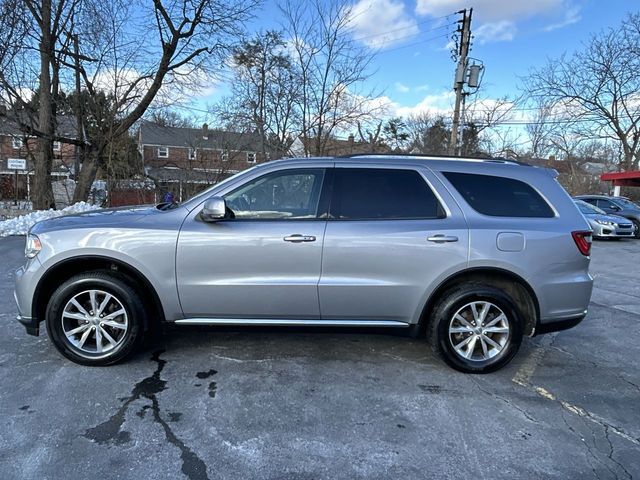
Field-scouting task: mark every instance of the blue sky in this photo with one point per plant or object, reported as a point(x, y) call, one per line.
point(413, 68)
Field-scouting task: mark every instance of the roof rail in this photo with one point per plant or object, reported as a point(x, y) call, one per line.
point(442, 157)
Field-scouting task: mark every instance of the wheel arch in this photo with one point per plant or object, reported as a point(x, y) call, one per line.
point(517, 287)
point(65, 269)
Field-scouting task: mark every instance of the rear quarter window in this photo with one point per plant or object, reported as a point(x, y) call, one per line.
point(499, 196)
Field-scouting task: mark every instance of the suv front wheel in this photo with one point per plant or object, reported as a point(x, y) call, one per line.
point(476, 328)
point(95, 318)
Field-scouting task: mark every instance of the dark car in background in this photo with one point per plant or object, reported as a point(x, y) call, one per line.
point(617, 206)
point(605, 225)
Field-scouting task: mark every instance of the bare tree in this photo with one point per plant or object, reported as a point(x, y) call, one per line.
point(485, 113)
point(539, 130)
point(33, 42)
point(191, 40)
point(417, 125)
point(130, 56)
point(170, 118)
point(595, 90)
point(264, 92)
point(331, 68)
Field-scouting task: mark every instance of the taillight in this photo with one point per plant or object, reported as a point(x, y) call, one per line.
point(583, 241)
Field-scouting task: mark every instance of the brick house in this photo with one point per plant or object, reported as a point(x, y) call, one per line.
point(16, 144)
point(183, 161)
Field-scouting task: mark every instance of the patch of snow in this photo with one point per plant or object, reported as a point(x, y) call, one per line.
point(21, 225)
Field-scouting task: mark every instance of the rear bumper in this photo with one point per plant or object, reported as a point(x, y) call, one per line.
point(558, 324)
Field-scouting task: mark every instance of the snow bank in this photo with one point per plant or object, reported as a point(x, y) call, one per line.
point(21, 225)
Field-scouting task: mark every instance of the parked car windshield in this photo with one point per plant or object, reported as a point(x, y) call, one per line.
point(588, 209)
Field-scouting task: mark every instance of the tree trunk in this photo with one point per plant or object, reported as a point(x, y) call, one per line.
point(86, 177)
point(42, 191)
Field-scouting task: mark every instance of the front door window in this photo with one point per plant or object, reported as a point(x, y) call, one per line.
point(284, 195)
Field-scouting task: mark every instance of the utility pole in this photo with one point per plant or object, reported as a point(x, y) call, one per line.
point(461, 70)
point(79, 124)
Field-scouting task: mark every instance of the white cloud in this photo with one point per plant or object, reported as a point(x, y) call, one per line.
point(382, 23)
point(434, 104)
point(492, 10)
point(495, 32)
point(496, 20)
point(401, 87)
point(571, 16)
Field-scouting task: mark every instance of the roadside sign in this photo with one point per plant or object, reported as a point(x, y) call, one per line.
point(16, 164)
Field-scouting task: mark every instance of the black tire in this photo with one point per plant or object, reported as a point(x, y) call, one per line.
point(116, 285)
point(457, 298)
point(636, 223)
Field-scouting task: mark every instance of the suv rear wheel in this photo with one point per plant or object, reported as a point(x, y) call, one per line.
point(95, 318)
point(476, 328)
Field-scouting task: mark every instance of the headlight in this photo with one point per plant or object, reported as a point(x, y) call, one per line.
point(605, 222)
point(33, 246)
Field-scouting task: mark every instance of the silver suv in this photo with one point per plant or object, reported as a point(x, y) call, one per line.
point(472, 254)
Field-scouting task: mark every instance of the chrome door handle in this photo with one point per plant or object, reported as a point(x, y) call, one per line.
point(442, 238)
point(297, 238)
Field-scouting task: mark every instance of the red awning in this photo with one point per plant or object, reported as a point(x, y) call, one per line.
point(623, 179)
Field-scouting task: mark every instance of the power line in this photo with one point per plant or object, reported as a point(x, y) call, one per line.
point(413, 44)
point(381, 34)
point(399, 39)
point(424, 22)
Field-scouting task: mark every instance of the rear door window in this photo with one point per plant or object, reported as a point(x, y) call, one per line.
point(382, 194)
point(499, 196)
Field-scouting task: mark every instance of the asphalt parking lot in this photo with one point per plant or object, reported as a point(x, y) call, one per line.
point(278, 404)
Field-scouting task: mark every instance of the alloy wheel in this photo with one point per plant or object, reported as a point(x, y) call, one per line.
point(95, 322)
point(479, 331)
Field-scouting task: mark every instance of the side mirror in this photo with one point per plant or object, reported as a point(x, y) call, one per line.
point(214, 209)
point(615, 208)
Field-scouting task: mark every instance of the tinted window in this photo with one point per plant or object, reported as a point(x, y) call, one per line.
point(373, 194)
point(499, 196)
point(284, 195)
point(606, 204)
point(625, 203)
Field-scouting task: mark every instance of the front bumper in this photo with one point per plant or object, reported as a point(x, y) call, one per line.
point(25, 281)
point(613, 231)
point(31, 325)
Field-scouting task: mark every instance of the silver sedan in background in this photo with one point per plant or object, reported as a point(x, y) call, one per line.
point(605, 225)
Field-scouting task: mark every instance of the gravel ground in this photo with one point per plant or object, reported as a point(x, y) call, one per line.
point(278, 403)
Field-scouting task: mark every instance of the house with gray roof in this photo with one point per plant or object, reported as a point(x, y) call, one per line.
point(185, 160)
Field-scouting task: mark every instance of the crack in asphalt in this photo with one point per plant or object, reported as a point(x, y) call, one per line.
point(611, 451)
point(591, 454)
point(505, 400)
point(110, 431)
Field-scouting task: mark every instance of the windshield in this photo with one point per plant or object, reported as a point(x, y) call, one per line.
point(623, 202)
point(588, 209)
